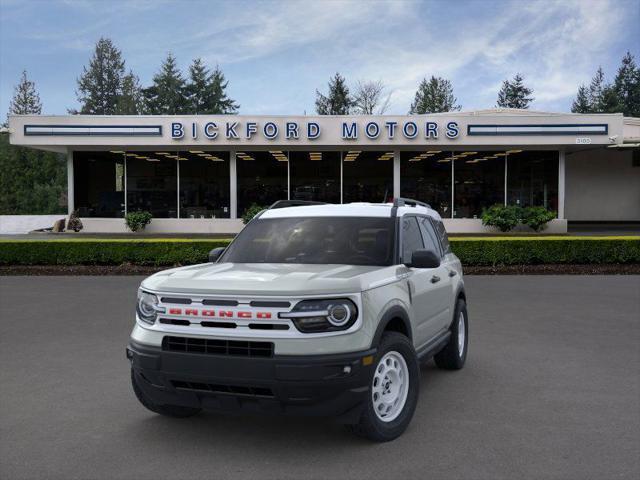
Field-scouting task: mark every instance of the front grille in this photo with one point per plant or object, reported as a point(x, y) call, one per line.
point(207, 346)
point(230, 389)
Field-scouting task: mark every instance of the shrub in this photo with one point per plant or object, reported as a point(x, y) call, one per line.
point(164, 252)
point(74, 223)
point(137, 220)
point(503, 217)
point(531, 251)
point(251, 212)
point(537, 217)
point(168, 252)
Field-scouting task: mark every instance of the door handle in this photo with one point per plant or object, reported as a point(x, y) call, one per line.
point(435, 279)
point(452, 273)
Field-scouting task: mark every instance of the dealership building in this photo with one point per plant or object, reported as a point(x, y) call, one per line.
point(200, 173)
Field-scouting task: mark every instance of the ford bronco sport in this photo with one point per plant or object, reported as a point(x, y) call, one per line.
point(313, 309)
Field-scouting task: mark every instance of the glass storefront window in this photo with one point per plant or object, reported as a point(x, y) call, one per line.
point(426, 176)
point(532, 179)
point(478, 182)
point(315, 176)
point(99, 184)
point(367, 176)
point(204, 184)
point(152, 183)
point(262, 178)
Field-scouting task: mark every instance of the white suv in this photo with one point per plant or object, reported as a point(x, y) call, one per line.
point(313, 309)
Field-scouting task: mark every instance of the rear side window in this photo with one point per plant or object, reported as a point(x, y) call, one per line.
point(429, 235)
point(411, 238)
point(442, 234)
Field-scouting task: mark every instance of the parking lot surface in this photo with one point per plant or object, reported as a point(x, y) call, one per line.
point(551, 389)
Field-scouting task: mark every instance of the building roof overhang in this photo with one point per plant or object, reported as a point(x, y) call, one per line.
point(478, 128)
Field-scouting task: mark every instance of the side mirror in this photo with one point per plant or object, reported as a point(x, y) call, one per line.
point(424, 259)
point(214, 254)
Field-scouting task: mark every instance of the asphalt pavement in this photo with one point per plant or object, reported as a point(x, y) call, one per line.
point(551, 389)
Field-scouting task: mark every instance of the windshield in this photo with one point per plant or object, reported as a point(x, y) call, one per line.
point(342, 240)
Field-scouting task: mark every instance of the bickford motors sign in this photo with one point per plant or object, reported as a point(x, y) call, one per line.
point(294, 130)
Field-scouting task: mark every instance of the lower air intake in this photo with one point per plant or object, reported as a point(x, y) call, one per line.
point(207, 346)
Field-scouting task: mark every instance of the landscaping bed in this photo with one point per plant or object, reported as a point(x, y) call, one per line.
point(128, 269)
point(549, 254)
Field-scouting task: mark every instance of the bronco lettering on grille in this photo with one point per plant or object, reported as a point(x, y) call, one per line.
point(192, 312)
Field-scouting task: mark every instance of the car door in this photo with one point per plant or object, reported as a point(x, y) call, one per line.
point(423, 284)
point(443, 288)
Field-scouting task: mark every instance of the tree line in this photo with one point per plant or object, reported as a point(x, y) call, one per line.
point(106, 88)
point(435, 95)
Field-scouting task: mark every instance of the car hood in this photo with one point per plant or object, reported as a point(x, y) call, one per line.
point(268, 279)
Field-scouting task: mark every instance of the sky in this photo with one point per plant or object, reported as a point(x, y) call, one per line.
point(275, 54)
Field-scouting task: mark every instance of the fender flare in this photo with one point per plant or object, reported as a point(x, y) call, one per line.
point(460, 294)
point(396, 311)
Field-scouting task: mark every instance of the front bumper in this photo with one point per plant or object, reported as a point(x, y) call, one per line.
point(318, 385)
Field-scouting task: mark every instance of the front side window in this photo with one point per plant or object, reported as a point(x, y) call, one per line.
point(315, 240)
point(411, 238)
point(429, 236)
point(442, 233)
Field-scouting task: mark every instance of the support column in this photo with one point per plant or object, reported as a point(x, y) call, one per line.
point(70, 183)
point(177, 188)
point(233, 185)
point(561, 178)
point(396, 174)
point(506, 170)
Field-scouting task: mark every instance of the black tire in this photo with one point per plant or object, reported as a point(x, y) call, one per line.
point(370, 425)
point(450, 358)
point(175, 411)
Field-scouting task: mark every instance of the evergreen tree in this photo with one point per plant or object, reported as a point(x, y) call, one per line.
point(514, 94)
point(627, 86)
point(596, 91)
point(31, 181)
point(196, 89)
point(25, 99)
point(218, 100)
point(167, 95)
point(100, 85)
point(130, 101)
point(206, 91)
point(338, 101)
point(433, 96)
point(581, 104)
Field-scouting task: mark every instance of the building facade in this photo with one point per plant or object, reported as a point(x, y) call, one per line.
point(201, 173)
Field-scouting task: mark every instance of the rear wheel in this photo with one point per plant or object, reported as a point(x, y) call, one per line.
point(176, 411)
point(453, 356)
point(393, 391)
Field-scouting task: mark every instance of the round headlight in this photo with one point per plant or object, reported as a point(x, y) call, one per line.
point(147, 307)
point(339, 314)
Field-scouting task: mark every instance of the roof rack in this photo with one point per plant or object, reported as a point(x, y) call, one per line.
point(293, 203)
point(401, 202)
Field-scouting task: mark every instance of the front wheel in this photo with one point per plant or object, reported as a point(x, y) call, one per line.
point(393, 391)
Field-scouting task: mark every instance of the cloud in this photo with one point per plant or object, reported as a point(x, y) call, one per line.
point(277, 53)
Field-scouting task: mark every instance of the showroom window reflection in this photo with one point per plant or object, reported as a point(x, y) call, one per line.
point(367, 176)
point(261, 178)
point(426, 176)
point(204, 184)
point(478, 182)
point(152, 183)
point(532, 178)
point(315, 176)
point(99, 184)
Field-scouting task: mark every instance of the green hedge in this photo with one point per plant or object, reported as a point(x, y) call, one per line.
point(107, 252)
point(166, 252)
point(532, 251)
